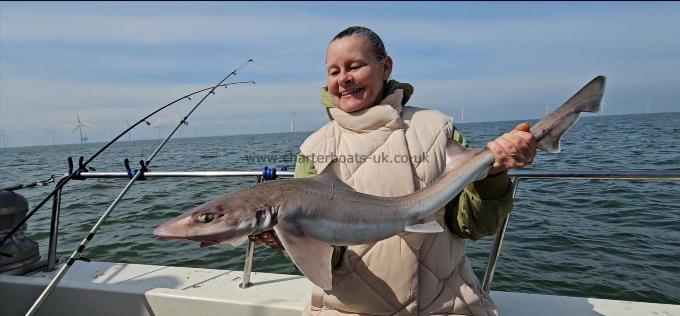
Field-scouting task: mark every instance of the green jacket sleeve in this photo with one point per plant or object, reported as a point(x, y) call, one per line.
point(304, 168)
point(479, 210)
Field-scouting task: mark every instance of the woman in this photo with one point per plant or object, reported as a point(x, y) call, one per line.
point(411, 273)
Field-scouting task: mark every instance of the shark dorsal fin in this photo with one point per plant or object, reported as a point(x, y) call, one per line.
point(457, 155)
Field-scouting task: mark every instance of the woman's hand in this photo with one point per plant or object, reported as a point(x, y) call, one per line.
point(269, 237)
point(515, 149)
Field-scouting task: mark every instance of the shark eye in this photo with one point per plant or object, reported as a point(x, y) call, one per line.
point(205, 218)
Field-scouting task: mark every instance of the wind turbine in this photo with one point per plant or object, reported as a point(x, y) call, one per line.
point(178, 120)
point(649, 102)
point(3, 138)
point(130, 132)
point(462, 114)
point(292, 121)
point(52, 133)
point(158, 127)
point(83, 139)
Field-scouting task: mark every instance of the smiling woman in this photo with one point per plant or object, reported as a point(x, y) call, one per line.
point(358, 68)
point(411, 273)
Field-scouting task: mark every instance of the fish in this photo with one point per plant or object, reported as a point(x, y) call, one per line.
point(310, 215)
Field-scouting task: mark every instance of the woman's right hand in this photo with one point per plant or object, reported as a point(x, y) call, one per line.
point(269, 237)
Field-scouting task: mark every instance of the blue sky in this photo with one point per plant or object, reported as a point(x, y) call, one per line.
point(112, 62)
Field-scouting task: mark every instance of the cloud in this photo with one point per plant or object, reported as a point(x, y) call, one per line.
point(114, 61)
point(31, 25)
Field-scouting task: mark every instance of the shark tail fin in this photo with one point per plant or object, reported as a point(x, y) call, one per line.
point(549, 130)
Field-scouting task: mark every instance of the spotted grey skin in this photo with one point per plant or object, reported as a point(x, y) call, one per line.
point(311, 214)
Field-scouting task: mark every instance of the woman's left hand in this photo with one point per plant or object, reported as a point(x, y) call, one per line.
point(515, 149)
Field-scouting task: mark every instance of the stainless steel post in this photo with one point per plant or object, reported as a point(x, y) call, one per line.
point(496, 249)
point(54, 228)
point(248, 265)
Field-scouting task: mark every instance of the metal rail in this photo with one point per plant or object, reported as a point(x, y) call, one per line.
point(56, 203)
point(515, 175)
point(597, 175)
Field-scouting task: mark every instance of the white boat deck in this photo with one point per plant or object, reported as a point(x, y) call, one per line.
point(103, 288)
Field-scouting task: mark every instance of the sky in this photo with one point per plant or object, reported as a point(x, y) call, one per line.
point(111, 63)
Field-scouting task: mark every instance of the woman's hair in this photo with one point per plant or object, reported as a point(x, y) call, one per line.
point(373, 38)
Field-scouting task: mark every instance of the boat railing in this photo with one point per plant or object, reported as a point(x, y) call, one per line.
point(515, 176)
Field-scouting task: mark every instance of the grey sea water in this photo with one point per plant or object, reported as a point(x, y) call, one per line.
point(591, 238)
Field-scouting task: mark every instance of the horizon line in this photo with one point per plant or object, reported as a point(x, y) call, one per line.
point(593, 115)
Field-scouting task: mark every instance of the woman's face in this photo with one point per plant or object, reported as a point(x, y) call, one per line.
point(354, 74)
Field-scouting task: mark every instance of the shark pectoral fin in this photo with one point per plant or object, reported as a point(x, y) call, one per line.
point(311, 256)
point(429, 227)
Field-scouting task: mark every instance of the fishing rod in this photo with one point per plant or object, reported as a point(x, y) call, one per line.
point(76, 172)
point(76, 254)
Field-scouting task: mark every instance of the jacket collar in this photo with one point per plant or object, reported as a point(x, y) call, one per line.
point(384, 114)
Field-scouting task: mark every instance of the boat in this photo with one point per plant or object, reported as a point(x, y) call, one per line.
point(110, 288)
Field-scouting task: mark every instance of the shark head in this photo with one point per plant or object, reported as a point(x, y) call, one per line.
point(229, 218)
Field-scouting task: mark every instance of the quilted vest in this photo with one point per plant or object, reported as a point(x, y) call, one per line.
point(393, 150)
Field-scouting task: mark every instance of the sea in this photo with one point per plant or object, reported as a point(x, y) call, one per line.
point(607, 239)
